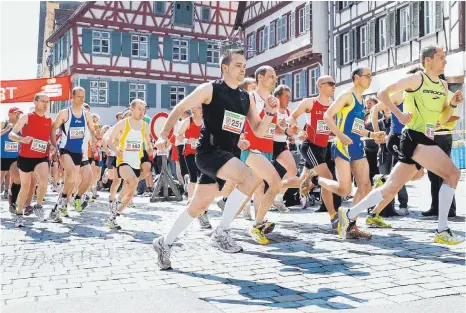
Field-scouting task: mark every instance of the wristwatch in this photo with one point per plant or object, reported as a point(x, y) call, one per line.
point(269, 113)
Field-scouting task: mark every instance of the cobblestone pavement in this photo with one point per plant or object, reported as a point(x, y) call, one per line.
point(306, 268)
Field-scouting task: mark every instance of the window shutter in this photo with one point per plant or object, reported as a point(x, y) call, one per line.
point(292, 24)
point(124, 94)
point(116, 43)
point(154, 47)
point(87, 40)
point(166, 97)
point(167, 48)
point(285, 27)
point(372, 36)
point(266, 37)
point(289, 80)
point(194, 51)
point(113, 93)
point(190, 88)
point(86, 84)
point(414, 16)
point(338, 49)
point(279, 30)
point(391, 28)
point(302, 85)
point(307, 16)
point(271, 34)
point(187, 13)
point(126, 44)
point(55, 53)
point(65, 45)
point(151, 95)
point(438, 16)
point(159, 7)
point(351, 47)
point(202, 52)
point(254, 44)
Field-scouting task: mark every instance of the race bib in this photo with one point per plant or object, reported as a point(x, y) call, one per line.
point(270, 131)
point(39, 146)
point(430, 130)
point(133, 145)
point(233, 122)
point(11, 146)
point(358, 126)
point(76, 132)
point(322, 127)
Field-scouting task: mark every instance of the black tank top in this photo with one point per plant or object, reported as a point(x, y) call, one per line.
point(223, 98)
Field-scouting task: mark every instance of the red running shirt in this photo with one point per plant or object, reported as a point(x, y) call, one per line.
point(193, 131)
point(37, 127)
point(316, 128)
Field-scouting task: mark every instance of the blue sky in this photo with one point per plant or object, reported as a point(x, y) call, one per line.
point(19, 25)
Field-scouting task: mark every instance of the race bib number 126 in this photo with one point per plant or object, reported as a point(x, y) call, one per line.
point(233, 122)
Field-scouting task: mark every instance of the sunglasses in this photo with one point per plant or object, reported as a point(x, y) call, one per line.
point(331, 84)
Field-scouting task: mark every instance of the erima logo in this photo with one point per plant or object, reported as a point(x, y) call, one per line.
point(433, 92)
point(77, 121)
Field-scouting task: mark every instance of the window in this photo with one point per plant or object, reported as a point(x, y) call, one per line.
point(344, 4)
point(282, 34)
point(139, 46)
point(281, 81)
point(313, 76)
point(180, 50)
point(213, 53)
point(99, 92)
point(100, 42)
point(297, 84)
point(346, 47)
point(363, 40)
point(205, 14)
point(137, 91)
point(429, 21)
point(159, 7)
point(261, 40)
point(301, 22)
point(251, 46)
point(176, 94)
point(404, 25)
point(272, 33)
point(382, 34)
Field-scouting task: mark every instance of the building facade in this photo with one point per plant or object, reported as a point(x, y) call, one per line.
point(387, 36)
point(158, 51)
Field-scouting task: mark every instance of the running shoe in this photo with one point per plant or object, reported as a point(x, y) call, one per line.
point(258, 236)
point(163, 253)
point(84, 201)
point(204, 221)
point(334, 221)
point(77, 205)
point(403, 211)
point(39, 212)
point(94, 193)
point(343, 222)
point(28, 210)
point(247, 211)
point(447, 237)
point(355, 233)
point(111, 223)
point(19, 220)
point(280, 206)
point(377, 222)
point(221, 204)
point(379, 180)
point(5, 195)
point(54, 216)
point(222, 240)
point(12, 208)
point(266, 227)
point(305, 184)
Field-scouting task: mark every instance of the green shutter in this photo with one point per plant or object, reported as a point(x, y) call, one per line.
point(113, 93)
point(178, 11)
point(202, 52)
point(86, 84)
point(151, 95)
point(115, 43)
point(87, 40)
point(126, 44)
point(154, 47)
point(167, 48)
point(188, 13)
point(191, 88)
point(65, 45)
point(159, 7)
point(166, 97)
point(194, 51)
point(124, 94)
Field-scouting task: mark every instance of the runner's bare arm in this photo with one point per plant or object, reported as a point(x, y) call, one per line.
point(201, 95)
point(90, 124)
point(409, 83)
point(114, 135)
point(260, 126)
point(5, 128)
point(447, 108)
point(147, 135)
point(332, 111)
point(303, 106)
point(17, 128)
point(61, 117)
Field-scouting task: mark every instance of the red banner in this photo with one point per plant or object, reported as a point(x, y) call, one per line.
point(57, 88)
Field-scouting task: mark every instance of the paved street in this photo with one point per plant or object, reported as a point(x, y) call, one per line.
point(82, 266)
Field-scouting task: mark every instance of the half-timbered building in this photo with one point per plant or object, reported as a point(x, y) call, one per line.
point(158, 51)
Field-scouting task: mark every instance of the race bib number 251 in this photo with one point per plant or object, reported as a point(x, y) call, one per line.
point(233, 122)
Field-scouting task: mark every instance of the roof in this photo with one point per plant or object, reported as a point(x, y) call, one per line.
point(69, 22)
point(62, 15)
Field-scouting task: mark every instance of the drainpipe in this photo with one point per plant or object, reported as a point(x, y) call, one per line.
point(330, 53)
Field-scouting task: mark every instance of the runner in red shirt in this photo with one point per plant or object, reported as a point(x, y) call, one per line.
point(33, 158)
point(314, 148)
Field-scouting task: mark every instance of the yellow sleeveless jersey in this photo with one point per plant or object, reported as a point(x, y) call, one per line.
point(131, 143)
point(425, 104)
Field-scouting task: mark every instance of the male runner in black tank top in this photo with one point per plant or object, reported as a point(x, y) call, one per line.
point(225, 108)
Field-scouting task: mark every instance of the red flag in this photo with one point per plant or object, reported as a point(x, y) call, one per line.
point(57, 88)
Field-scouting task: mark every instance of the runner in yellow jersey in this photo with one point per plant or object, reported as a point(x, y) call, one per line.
point(126, 140)
point(425, 105)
